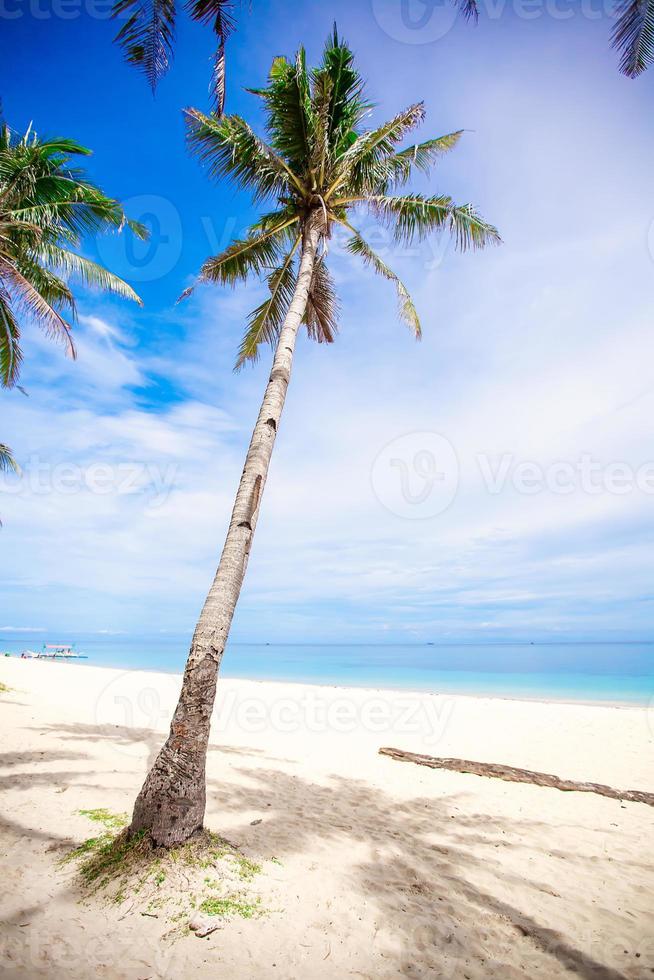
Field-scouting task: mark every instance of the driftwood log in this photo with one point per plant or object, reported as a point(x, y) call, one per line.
point(512, 775)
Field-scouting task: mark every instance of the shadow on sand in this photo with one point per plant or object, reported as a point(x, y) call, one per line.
point(418, 877)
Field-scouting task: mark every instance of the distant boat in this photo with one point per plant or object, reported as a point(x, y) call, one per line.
point(54, 651)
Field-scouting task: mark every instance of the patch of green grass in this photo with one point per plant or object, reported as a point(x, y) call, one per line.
point(110, 857)
point(86, 847)
point(230, 906)
point(277, 861)
point(109, 820)
point(4, 688)
point(247, 869)
point(207, 873)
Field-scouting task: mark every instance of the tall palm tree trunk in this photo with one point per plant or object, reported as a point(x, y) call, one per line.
point(172, 800)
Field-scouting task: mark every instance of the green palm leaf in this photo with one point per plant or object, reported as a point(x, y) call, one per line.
point(7, 461)
point(407, 311)
point(266, 320)
point(633, 36)
point(246, 256)
point(229, 148)
point(90, 273)
point(415, 216)
point(358, 163)
point(10, 352)
point(27, 297)
point(147, 36)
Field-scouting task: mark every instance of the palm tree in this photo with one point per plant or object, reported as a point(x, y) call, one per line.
point(317, 168)
point(46, 207)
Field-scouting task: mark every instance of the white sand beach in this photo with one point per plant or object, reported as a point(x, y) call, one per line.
point(382, 869)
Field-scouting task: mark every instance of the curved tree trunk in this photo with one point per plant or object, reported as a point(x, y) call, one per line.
point(172, 800)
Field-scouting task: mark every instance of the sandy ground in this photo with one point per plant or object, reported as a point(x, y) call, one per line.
point(386, 869)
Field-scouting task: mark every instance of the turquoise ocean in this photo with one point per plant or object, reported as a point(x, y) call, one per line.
point(616, 672)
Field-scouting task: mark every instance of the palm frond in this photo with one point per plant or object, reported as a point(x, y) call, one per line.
point(397, 168)
point(218, 91)
point(90, 273)
point(348, 106)
point(321, 314)
point(10, 352)
point(633, 36)
point(25, 295)
point(469, 9)
point(7, 461)
point(247, 256)
point(358, 163)
point(147, 36)
point(415, 216)
point(322, 86)
point(289, 111)
point(228, 147)
point(53, 289)
point(218, 14)
point(407, 311)
point(266, 320)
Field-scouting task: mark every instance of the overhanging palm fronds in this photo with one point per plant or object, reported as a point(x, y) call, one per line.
point(633, 36)
point(147, 37)
point(318, 161)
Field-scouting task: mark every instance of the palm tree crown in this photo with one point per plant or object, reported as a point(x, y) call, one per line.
point(46, 207)
point(319, 165)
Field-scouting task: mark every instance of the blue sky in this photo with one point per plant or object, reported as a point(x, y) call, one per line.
point(532, 390)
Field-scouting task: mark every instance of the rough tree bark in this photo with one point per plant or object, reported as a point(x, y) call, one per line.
point(172, 800)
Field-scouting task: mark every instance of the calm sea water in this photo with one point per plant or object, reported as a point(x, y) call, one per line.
point(620, 672)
